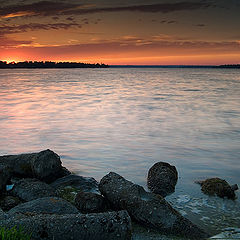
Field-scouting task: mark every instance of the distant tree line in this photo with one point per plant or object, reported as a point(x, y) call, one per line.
point(229, 66)
point(49, 64)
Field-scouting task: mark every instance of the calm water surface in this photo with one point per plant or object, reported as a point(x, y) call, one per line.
point(125, 120)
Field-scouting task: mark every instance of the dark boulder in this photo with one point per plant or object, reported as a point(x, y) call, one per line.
point(45, 165)
point(67, 187)
point(95, 226)
point(5, 175)
point(162, 178)
point(8, 202)
point(47, 205)
point(149, 209)
point(90, 203)
point(219, 187)
point(29, 189)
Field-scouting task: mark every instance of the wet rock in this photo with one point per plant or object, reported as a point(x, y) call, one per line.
point(217, 186)
point(229, 233)
point(8, 202)
point(90, 203)
point(29, 189)
point(45, 165)
point(47, 205)
point(67, 187)
point(149, 209)
point(5, 175)
point(100, 226)
point(162, 178)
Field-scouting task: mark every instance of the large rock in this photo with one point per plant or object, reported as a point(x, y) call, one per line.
point(100, 226)
point(47, 205)
point(147, 208)
point(29, 189)
point(45, 165)
point(8, 202)
point(90, 202)
point(67, 187)
point(5, 175)
point(162, 178)
point(2, 214)
point(219, 187)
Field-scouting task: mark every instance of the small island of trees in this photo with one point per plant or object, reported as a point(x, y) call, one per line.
point(49, 64)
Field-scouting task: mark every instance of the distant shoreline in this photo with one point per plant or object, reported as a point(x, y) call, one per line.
point(54, 65)
point(49, 64)
point(177, 66)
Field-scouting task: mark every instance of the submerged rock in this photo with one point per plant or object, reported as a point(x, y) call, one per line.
point(146, 208)
point(162, 178)
point(45, 165)
point(101, 226)
point(219, 187)
point(90, 202)
point(47, 205)
point(29, 189)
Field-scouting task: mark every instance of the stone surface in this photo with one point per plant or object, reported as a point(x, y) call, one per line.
point(162, 178)
point(230, 233)
point(95, 226)
point(47, 205)
point(147, 208)
point(67, 187)
point(90, 202)
point(83, 184)
point(217, 186)
point(45, 165)
point(29, 189)
point(5, 175)
point(2, 214)
point(8, 202)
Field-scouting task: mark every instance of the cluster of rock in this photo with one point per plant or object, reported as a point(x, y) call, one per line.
point(49, 202)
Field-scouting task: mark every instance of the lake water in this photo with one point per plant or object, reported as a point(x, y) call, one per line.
point(125, 120)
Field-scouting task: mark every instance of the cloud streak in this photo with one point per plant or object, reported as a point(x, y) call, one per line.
point(6, 29)
point(51, 8)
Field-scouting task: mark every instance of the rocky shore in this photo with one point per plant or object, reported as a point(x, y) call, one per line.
point(49, 202)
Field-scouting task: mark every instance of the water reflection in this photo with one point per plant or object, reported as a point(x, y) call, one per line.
point(124, 120)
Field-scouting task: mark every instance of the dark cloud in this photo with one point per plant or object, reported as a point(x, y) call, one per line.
point(11, 43)
point(70, 19)
point(43, 8)
point(35, 26)
point(50, 8)
point(151, 8)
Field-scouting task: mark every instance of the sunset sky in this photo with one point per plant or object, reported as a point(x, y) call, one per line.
point(121, 32)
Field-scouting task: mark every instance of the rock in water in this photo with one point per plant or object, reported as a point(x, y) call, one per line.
point(219, 187)
point(29, 189)
point(47, 205)
point(147, 208)
point(162, 178)
point(45, 165)
point(95, 226)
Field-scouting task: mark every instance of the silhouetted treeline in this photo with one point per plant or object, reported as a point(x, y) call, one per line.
point(48, 64)
point(230, 66)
